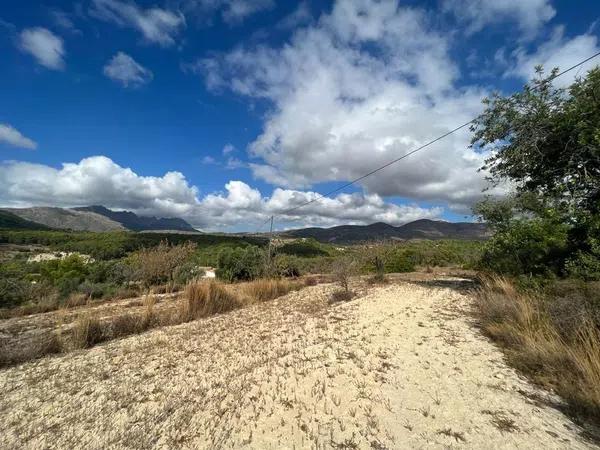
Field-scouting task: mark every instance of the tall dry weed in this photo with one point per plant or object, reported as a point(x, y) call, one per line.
point(568, 362)
point(206, 298)
point(263, 290)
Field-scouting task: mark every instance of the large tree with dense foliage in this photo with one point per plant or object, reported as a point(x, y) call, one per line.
point(546, 143)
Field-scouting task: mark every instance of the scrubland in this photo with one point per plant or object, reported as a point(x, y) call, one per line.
point(401, 365)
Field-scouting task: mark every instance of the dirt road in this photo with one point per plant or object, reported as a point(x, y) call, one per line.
point(398, 367)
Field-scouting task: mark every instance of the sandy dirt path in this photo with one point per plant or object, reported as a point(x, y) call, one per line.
point(398, 367)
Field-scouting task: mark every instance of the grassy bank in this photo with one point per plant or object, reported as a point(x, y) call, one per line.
point(551, 335)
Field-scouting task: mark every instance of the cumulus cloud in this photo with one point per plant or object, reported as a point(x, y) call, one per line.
point(228, 148)
point(46, 47)
point(241, 203)
point(558, 51)
point(530, 15)
point(12, 136)
point(368, 83)
point(99, 180)
point(158, 26)
point(95, 180)
point(126, 71)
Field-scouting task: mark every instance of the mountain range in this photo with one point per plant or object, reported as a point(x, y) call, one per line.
point(99, 218)
point(419, 229)
point(88, 218)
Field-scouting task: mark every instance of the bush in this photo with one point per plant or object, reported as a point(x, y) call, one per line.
point(534, 247)
point(286, 266)
point(157, 265)
point(341, 296)
point(400, 261)
point(240, 264)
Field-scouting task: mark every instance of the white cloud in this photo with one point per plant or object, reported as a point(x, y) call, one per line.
point(228, 148)
point(158, 26)
point(98, 180)
point(368, 83)
point(46, 47)
point(232, 12)
point(64, 20)
point(12, 136)
point(234, 163)
point(123, 69)
point(209, 160)
point(243, 204)
point(530, 15)
point(557, 51)
point(237, 10)
point(95, 180)
point(300, 16)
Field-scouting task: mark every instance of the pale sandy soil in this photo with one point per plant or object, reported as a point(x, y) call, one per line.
point(399, 367)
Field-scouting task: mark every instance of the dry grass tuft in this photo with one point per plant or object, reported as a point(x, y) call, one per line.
point(44, 345)
point(569, 362)
point(341, 295)
point(311, 281)
point(148, 316)
point(206, 298)
point(267, 289)
point(87, 331)
point(76, 299)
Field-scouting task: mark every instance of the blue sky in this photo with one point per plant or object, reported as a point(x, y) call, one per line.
point(224, 112)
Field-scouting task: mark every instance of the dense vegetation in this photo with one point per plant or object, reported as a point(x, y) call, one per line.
point(547, 235)
point(547, 142)
point(113, 245)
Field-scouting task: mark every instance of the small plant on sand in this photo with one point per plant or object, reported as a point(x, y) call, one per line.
point(345, 268)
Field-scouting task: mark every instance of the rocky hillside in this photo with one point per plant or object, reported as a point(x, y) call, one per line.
point(66, 219)
point(89, 218)
point(134, 222)
point(419, 229)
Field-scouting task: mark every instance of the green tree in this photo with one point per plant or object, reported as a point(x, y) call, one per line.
point(546, 143)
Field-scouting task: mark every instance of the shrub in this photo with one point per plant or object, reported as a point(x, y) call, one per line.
point(157, 265)
point(400, 261)
point(533, 247)
point(341, 296)
point(311, 281)
point(240, 264)
point(286, 266)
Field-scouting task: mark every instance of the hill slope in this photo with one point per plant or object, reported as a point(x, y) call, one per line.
point(134, 222)
point(419, 229)
point(66, 219)
point(12, 221)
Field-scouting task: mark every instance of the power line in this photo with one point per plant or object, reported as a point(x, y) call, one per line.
point(406, 155)
point(412, 152)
